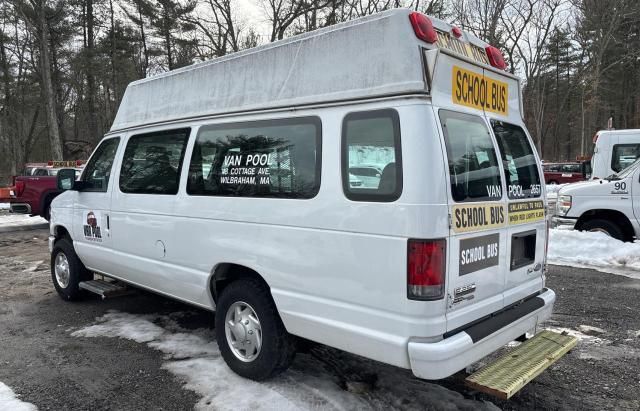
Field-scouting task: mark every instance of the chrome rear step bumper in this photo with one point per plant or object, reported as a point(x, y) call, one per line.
point(455, 352)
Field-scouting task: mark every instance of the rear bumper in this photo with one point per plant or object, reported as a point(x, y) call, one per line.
point(454, 353)
point(564, 222)
point(20, 208)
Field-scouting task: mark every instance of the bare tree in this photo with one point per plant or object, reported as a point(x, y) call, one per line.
point(36, 14)
point(283, 13)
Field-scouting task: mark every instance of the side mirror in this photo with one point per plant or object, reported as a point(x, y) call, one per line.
point(66, 178)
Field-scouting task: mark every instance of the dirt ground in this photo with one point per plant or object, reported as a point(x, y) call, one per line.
point(45, 365)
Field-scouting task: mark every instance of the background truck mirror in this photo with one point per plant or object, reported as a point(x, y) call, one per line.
point(66, 178)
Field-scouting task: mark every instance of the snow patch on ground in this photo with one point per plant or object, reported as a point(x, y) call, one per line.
point(11, 220)
point(582, 337)
point(311, 383)
point(9, 400)
point(4, 206)
point(594, 250)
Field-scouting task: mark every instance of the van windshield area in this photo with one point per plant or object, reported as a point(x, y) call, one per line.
point(473, 165)
point(623, 156)
point(627, 171)
point(519, 161)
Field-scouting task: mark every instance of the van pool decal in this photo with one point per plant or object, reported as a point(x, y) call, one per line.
point(250, 169)
point(92, 228)
point(477, 217)
point(526, 212)
point(478, 252)
point(477, 91)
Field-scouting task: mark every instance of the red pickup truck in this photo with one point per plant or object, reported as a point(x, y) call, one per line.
point(563, 173)
point(32, 194)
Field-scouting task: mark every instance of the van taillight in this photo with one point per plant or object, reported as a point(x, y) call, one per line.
point(426, 269)
point(19, 188)
point(423, 27)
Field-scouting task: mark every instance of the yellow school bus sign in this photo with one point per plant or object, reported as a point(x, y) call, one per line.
point(474, 90)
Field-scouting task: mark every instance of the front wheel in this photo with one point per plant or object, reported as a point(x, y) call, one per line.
point(604, 226)
point(67, 271)
point(251, 336)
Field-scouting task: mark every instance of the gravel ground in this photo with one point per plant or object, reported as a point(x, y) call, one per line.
point(46, 366)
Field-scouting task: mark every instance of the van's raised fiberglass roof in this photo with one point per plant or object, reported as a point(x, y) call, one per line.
point(378, 55)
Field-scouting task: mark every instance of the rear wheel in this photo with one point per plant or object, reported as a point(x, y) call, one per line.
point(252, 338)
point(604, 226)
point(67, 271)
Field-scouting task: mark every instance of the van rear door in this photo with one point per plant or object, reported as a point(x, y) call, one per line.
point(526, 233)
point(478, 241)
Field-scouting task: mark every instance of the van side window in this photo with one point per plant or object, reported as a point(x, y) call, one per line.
point(473, 164)
point(520, 166)
point(151, 163)
point(371, 156)
point(98, 170)
point(623, 155)
point(272, 158)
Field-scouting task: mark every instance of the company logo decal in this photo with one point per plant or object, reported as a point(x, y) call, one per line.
point(92, 228)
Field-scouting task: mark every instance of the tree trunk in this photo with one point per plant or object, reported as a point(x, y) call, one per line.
point(55, 142)
point(91, 82)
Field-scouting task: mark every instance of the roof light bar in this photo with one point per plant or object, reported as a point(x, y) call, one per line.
point(496, 59)
point(423, 28)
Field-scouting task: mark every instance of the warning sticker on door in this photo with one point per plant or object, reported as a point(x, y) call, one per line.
point(476, 217)
point(478, 252)
point(526, 212)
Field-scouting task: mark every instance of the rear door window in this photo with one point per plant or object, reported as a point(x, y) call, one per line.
point(520, 166)
point(473, 164)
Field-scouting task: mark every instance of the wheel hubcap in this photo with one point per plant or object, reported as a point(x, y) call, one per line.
point(243, 331)
point(61, 270)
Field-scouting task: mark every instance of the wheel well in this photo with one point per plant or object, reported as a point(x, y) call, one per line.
point(226, 273)
point(612, 215)
point(61, 232)
point(47, 198)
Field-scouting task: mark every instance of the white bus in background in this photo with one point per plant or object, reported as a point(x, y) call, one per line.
point(614, 151)
point(370, 186)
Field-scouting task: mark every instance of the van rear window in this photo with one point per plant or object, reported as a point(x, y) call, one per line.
point(473, 164)
point(520, 166)
point(273, 158)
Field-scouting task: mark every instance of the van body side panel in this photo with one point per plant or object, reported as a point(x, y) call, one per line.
point(336, 268)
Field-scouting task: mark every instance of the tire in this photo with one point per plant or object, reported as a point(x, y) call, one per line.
point(277, 349)
point(608, 227)
point(47, 212)
point(66, 281)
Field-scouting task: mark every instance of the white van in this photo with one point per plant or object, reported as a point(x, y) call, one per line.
point(614, 151)
point(227, 185)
